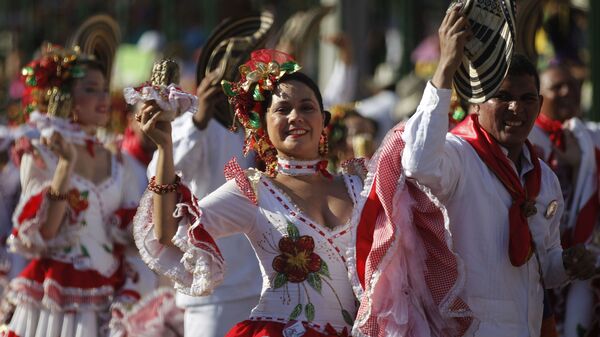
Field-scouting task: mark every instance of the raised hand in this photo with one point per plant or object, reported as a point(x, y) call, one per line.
point(344, 45)
point(209, 94)
point(454, 32)
point(64, 149)
point(158, 131)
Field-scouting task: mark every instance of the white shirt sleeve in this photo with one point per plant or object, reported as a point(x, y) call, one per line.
point(430, 155)
point(341, 85)
point(555, 274)
point(594, 130)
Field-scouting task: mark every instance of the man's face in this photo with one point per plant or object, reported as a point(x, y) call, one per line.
point(561, 94)
point(511, 113)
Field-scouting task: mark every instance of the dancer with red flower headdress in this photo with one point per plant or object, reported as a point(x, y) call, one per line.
point(301, 247)
point(317, 250)
point(76, 205)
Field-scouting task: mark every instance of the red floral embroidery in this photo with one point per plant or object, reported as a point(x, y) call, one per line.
point(77, 202)
point(298, 263)
point(298, 259)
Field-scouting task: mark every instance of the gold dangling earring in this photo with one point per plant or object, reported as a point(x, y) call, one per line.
point(323, 144)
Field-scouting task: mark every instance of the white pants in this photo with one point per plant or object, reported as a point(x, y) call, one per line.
point(215, 320)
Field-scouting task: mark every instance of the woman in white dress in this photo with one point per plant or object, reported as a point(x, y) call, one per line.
point(326, 261)
point(297, 216)
point(75, 209)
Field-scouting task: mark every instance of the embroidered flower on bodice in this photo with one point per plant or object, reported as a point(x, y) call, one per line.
point(298, 263)
point(78, 202)
point(297, 260)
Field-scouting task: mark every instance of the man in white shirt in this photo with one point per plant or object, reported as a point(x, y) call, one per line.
point(201, 148)
point(564, 142)
point(504, 204)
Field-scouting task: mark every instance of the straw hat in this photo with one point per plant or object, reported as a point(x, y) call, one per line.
point(529, 20)
point(230, 45)
point(99, 36)
point(487, 55)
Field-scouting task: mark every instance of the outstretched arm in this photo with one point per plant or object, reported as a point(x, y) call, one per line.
point(163, 204)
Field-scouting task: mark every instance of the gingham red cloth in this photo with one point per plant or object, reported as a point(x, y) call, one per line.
point(377, 237)
point(233, 170)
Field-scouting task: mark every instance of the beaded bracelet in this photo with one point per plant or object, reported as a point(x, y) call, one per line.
point(164, 188)
point(55, 196)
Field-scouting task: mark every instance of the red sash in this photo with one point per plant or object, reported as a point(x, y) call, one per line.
point(523, 206)
point(586, 218)
point(554, 130)
point(588, 214)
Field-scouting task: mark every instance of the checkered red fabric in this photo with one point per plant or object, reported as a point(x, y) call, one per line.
point(233, 170)
point(441, 270)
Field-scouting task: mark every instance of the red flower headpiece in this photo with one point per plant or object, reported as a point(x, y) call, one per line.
point(259, 75)
point(44, 80)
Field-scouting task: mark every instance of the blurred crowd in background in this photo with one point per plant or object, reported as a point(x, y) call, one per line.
point(392, 45)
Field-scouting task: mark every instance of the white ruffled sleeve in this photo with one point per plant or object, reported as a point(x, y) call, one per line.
point(32, 208)
point(195, 264)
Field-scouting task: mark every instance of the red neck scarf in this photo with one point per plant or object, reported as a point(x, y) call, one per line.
point(554, 130)
point(520, 246)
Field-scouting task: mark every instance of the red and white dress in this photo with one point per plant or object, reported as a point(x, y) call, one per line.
point(72, 279)
point(306, 288)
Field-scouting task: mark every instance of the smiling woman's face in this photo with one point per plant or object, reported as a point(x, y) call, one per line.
point(295, 121)
point(91, 101)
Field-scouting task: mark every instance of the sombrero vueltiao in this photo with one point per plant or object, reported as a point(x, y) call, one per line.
point(529, 19)
point(228, 47)
point(99, 36)
point(488, 53)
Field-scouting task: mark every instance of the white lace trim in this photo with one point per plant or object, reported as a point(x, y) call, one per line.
point(207, 267)
point(49, 125)
point(172, 100)
point(150, 250)
point(131, 322)
point(28, 241)
point(194, 271)
point(351, 250)
point(22, 290)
